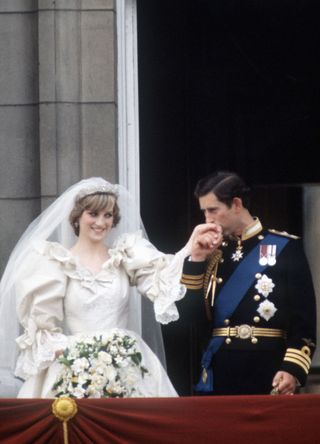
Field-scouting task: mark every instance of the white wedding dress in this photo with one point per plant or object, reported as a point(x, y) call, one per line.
point(56, 294)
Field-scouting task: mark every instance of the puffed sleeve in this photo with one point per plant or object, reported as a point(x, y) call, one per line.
point(40, 290)
point(155, 274)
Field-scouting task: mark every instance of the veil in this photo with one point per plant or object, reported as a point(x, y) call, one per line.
point(53, 225)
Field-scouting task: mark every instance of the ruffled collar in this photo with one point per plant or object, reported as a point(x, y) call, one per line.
point(73, 268)
point(56, 251)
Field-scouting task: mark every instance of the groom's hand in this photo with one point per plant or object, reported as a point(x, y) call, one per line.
point(205, 239)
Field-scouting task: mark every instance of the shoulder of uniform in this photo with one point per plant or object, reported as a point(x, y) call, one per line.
point(283, 233)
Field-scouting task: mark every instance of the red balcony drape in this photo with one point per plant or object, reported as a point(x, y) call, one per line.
point(187, 420)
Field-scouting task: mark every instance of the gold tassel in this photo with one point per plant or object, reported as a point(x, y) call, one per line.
point(210, 280)
point(212, 285)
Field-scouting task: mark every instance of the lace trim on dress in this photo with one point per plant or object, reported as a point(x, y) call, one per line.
point(38, 348)
point(165, 270)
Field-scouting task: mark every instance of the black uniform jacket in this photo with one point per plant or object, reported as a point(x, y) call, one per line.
point(280, 299)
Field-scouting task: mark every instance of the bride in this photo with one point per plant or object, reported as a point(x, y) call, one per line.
point(72, 279)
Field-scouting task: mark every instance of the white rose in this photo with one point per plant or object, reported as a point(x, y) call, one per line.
point(104, 357)
point(119, 360)
point(78, 392)
point(80, 365)
point(110, 373)
point(98, 381)
point(83, 378)
point(116, 388)
point(93, 392)
point(113, 350)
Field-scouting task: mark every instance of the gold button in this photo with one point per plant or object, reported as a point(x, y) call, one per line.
point(256, 319)
point(219, 280)
point(260, 237)
point(257, 297)
point(228, 340)
point(226, 322)
point(306, 350)
point(254, 340)
point(221, 260)
point(258, 275)
point(224, 244)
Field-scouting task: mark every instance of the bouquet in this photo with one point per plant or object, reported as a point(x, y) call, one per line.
point(100, 367)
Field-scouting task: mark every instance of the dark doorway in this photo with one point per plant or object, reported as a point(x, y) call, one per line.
point(225, 84)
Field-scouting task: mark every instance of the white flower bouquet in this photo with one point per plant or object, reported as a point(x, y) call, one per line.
point(100, 367)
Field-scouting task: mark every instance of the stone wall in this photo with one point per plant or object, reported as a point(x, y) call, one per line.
point(57, 104)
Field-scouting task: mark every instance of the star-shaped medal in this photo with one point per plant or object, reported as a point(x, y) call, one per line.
point(267, 309)
point(238, 254)
point(265, 285)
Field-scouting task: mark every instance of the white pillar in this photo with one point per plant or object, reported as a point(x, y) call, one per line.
point(128, 117)
point(128, 113)
point(311, 199)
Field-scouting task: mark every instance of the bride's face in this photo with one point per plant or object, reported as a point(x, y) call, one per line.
point(95, 225)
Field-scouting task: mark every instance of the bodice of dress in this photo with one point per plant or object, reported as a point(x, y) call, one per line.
point(96, 302)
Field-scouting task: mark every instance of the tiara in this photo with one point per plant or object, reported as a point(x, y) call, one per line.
point(96, 188)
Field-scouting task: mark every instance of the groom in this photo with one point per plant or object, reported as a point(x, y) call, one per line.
point(257, 292)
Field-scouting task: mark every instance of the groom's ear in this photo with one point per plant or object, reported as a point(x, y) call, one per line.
point(237, 203)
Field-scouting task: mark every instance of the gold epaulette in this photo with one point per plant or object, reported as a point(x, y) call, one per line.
point(192, 282)
point(284, 233)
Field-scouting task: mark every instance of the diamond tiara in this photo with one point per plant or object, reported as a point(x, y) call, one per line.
point(101, 188)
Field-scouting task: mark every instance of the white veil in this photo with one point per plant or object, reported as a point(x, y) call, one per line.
point(53, 225)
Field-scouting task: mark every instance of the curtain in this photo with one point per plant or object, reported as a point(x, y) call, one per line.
point(230, 419)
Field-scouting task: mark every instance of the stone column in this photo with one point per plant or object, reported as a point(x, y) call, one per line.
point(58, 104)
point(77, 92)
point(19, 115)
point(311, 196)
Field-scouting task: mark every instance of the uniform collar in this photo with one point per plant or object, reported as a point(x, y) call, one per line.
point(252, 230)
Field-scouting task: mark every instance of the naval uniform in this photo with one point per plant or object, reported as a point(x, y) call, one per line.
point(259, 296)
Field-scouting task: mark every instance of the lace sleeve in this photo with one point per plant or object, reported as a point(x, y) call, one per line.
point(40, 290)
point(156, 275)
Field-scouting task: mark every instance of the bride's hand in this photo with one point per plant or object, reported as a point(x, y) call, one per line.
point(204, 240)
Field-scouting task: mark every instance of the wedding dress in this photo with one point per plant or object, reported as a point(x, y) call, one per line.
point(60, 300)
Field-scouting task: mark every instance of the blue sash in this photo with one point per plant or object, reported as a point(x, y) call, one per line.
point(229, 298)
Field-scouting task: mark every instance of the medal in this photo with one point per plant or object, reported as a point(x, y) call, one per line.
point(238, 254)
point(264, 285)
point(267, 255)
point(272, 254)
